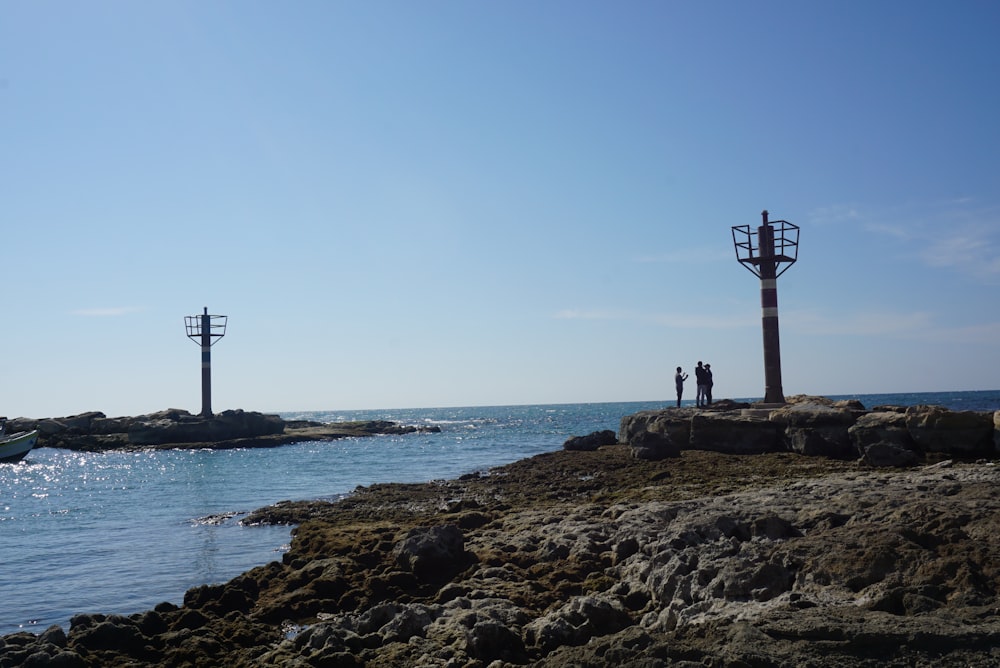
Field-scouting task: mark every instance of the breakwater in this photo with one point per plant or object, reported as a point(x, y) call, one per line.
point(885, 435)
point(176, 428)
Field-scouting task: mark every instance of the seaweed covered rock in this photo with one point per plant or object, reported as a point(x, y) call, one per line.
point(591, 441)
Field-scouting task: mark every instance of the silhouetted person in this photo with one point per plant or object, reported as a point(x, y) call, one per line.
point(708, 384)
point(699, 375)
point(679, 379)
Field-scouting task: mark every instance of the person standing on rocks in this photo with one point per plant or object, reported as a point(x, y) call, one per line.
point(699, 376)
point(708, 385)
point(679, 379)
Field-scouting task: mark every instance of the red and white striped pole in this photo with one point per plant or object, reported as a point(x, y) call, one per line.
point(201, 330)
point(206, 364)
point(773, 393)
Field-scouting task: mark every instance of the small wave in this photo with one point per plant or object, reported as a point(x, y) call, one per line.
point(216, 519)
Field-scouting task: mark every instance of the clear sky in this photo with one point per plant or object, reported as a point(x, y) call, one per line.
point(451, 203)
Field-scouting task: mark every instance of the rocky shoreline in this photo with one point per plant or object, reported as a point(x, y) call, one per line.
point(663, 548)
point(177, 428)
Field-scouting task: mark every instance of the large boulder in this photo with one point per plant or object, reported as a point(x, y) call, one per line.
point(432, 551)
point(577, 622)
point(160, 429)
point(591, 441)
point(653, 446)
point(955, 433)
point(73, 424)
point(104, 426)
point(108, 632)
point(996, 432)
point(817, 428)
point(673, 422)
point(734, 434)
point(881, 438)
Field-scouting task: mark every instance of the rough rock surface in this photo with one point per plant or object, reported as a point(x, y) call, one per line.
point(591, 441)
point(819, 426)
point(597, 558)
point(177, 428)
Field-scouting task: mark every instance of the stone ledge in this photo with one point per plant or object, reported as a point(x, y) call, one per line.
point(176, 428)
point(884, 436)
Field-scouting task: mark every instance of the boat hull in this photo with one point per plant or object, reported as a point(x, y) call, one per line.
point(13, 448)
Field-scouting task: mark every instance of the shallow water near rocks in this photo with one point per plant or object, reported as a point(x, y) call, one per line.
point(119, 532)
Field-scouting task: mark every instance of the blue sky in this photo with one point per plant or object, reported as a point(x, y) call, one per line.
point(406, 204)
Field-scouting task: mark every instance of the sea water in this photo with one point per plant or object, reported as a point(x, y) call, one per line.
point(119, 532)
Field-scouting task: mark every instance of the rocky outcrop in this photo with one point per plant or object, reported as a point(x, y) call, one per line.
point(177, 428)
point(882, 439)
point(674, 422)
point(591, 441)
point(733, 545)
point(996, 433)
point(816, 426)
point(733, 434)
point(596, 558)
point(816, 429)
point(960, 433)
point(654, 446)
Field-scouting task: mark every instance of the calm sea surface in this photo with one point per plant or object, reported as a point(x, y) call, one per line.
point(119, 532)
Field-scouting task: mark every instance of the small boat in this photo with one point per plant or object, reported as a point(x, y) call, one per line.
point(13, 447)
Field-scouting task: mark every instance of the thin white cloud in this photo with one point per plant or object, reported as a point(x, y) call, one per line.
point(896, 231)
point(836, 214)
point(974, 249)
point(959, 234)
point(112, 311)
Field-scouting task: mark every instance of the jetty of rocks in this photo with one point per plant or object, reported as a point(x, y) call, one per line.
point(810, 425)
point(741, 551)
point(177, 428)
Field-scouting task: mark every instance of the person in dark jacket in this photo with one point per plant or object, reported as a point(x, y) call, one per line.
point(679, 379)
point(708, 385)
point(699, 376)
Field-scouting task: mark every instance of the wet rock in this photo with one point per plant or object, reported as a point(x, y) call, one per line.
point(224, 426)
point(427, 552)
point(577, 622)
point(489, 640)
point(93, 432)
point(113, 633)
point(653, 446)
point(591, 441)
point(46, 650)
